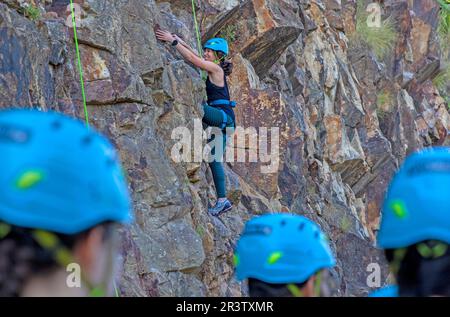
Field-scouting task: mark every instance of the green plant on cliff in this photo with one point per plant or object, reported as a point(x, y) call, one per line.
point(442, 80)
point(442, 83)
point(381, 114)
point(32, 12)
point(200, 231)
point(384, 103)
point(345, 224)
point(384, 98)
point(447, 101)
point(444, 32)
point(380, 40)
point(444, 21)
point(229, 33)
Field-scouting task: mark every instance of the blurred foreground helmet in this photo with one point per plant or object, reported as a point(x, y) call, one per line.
point(58, 175)
point(281, 248)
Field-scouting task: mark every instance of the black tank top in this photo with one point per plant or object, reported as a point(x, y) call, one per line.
point(214, 92)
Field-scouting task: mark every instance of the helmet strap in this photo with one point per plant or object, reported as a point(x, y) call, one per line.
point(295, 290)
point(218, 60)
point(399, 255)
point(5, 229)
point(317, 284)
point(432, 249)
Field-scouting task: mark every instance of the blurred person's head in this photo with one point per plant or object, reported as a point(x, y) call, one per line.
point(415, 224)
point(282, 255)
point(62, 192)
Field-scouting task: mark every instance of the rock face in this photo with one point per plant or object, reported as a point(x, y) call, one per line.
point(345, 121)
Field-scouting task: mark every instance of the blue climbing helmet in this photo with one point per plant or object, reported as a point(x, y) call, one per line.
point(217, 44)
point(417, 204)
point(281, 248)
point(58, 175)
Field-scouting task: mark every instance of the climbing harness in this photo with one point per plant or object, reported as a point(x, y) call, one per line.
point(222, 102)
point(219, 102)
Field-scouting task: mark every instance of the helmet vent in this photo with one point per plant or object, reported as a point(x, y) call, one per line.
point(257, 230)
point(86, 140)
point(110, 162)
point(9, 133)
point(56, 125)
point(440, 166)
point(283, 223)
point(301, 226)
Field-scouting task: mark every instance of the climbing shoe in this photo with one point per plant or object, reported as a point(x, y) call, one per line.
point(220, 207)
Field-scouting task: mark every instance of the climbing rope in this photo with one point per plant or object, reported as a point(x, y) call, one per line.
point(80, 69)
point(197, 33)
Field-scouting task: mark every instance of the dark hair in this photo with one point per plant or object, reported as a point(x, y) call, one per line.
point(419, 276)
point(22, 257)
point(227, 66)
point(258, 288)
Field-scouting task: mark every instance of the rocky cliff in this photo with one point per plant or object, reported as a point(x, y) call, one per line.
point(347, 116)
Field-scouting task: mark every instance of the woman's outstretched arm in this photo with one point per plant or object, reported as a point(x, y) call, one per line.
point(180, 40)
point(187, 54)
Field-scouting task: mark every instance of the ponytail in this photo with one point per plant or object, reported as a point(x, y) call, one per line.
point(20, 258)
point(227, 66)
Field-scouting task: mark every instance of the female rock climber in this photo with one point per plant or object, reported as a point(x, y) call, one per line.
point(218, 111)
